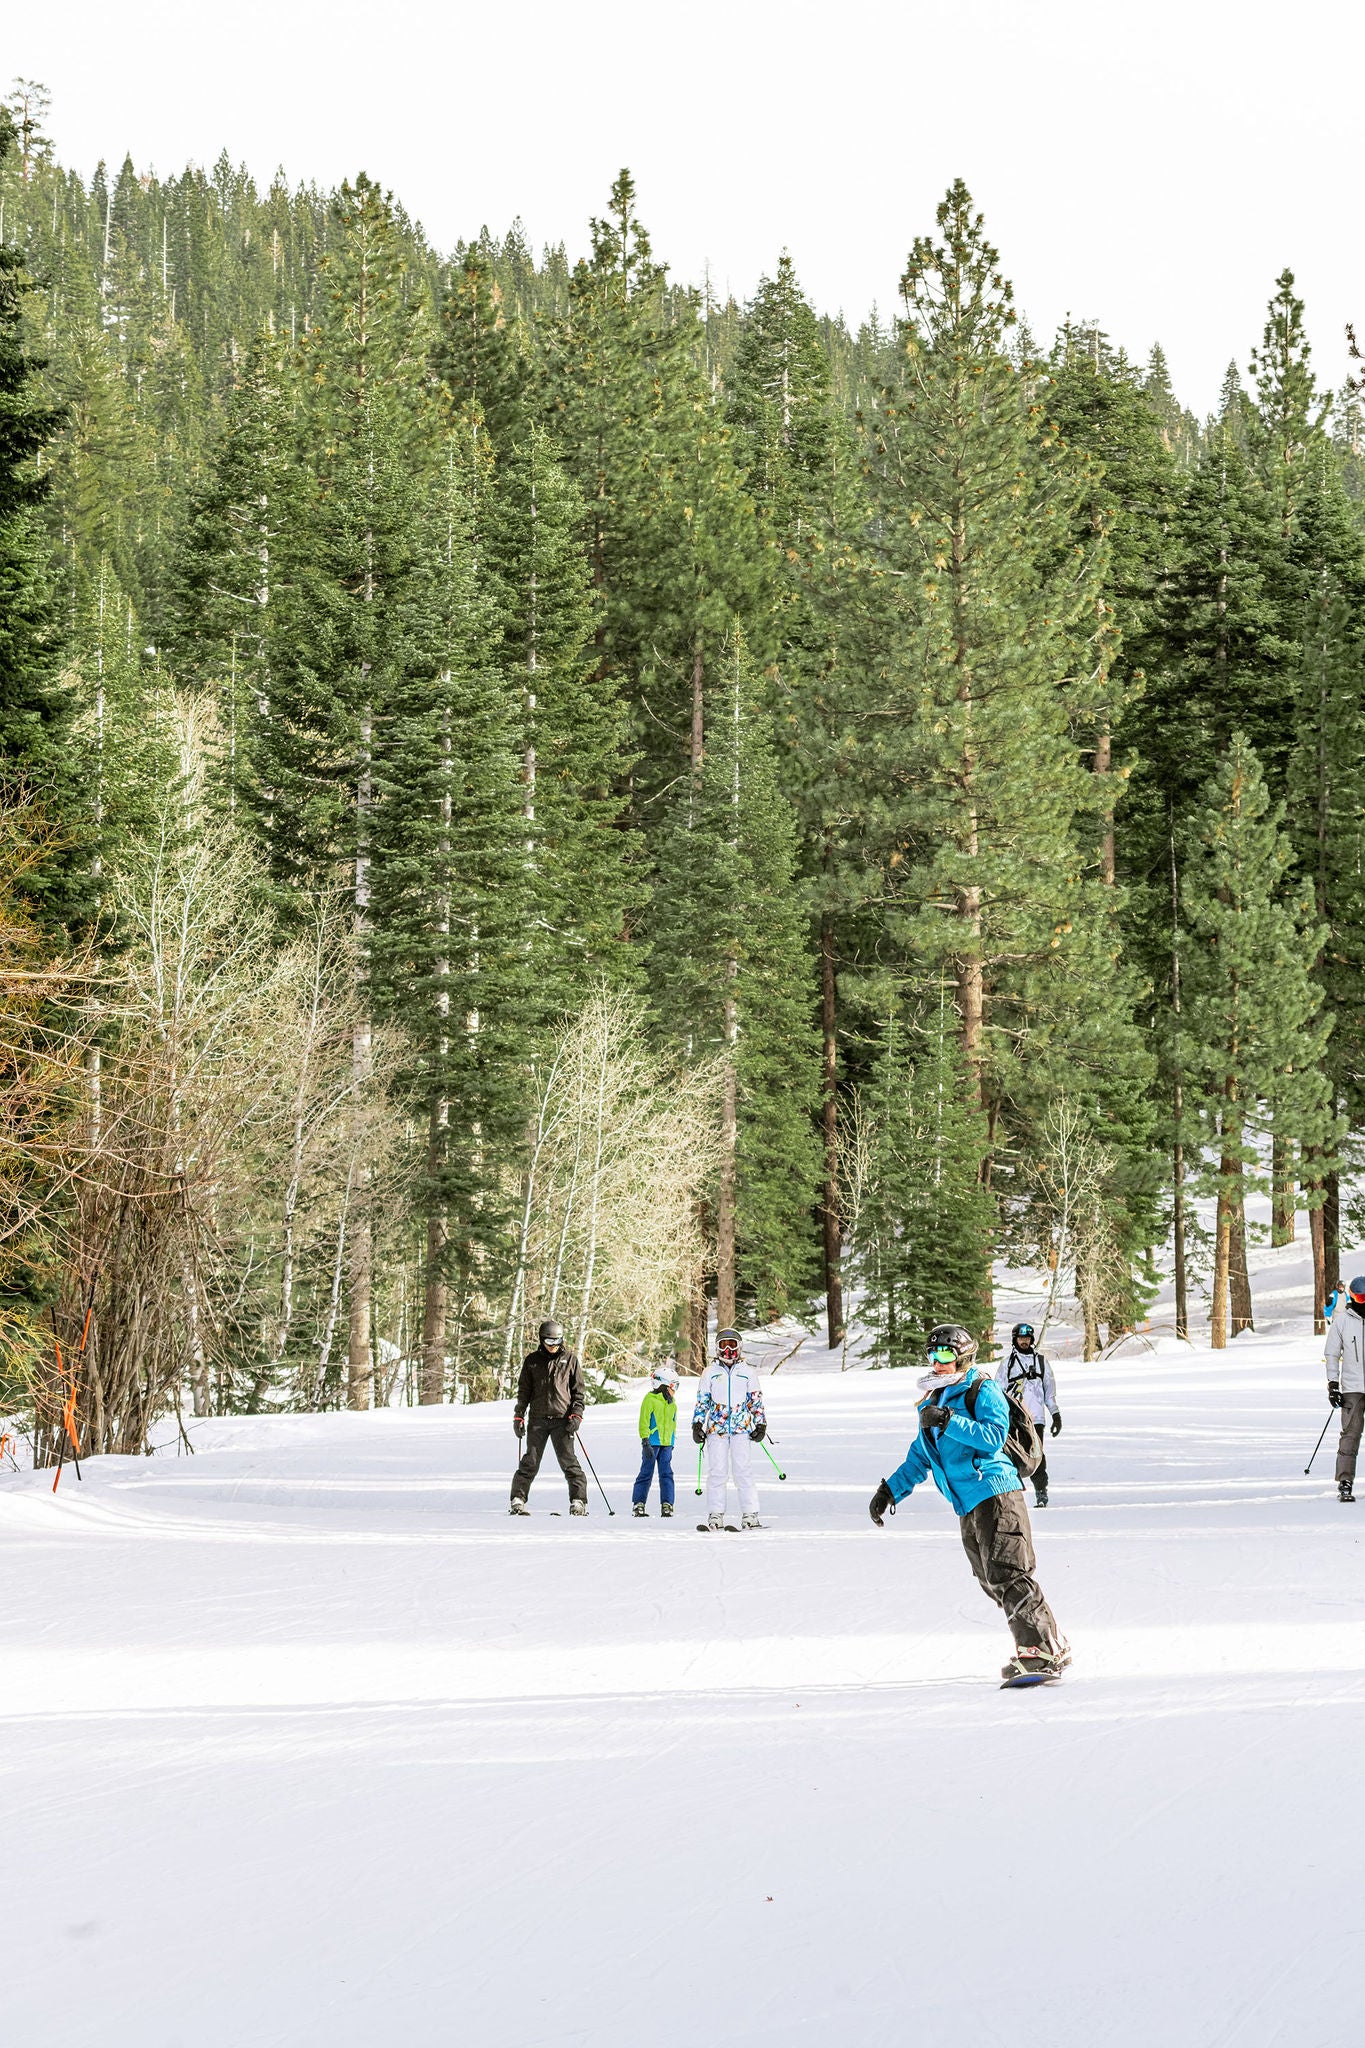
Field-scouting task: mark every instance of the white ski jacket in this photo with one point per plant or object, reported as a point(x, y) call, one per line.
point(1345, 1354)
point(729, 1400)
point(1028, 1376)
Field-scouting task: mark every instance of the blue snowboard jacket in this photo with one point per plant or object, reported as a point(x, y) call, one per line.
point(967, 1458)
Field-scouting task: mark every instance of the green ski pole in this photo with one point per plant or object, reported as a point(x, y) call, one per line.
point(701, 1450)
point(771, 1459)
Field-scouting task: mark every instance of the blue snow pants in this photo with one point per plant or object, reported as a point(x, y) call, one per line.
point(649, 1455)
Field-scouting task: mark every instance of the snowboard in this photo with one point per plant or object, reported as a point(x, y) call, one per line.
point(1023, 1679)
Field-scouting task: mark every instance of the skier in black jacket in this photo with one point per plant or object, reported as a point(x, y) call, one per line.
point(550, 1399)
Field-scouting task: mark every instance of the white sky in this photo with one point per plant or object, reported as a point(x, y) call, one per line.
point(1153, 166)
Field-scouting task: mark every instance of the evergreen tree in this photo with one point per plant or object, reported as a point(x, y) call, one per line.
point(990, 633)
point(732, 977)
point(452, 903)
point(479, 355)
point(669, 531)
point(920, 1211)
point(350, 622)
point(573, 738)
point(804, 477)
point(229, 552)
point(33, 710)
point(1252, 1039)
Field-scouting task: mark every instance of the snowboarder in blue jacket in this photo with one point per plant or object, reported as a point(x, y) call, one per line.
point(964, 1421)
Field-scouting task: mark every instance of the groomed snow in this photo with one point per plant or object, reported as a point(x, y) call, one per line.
point(307, 1743)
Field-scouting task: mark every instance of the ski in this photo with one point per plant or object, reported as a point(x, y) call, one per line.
point(705, 1529)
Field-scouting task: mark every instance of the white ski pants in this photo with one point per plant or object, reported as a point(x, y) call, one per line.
point(732, 1454)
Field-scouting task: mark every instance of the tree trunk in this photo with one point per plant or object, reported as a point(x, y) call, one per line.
point(432, 1386)
point(696, 1327)
point(359, 1365)
point(1104, 759)
point(359, 1371)
point(1281, 1192)
point(1222, 1248)
point(829, 1119)
point(1182, 1299)
point(1239, 1282)
point(1331, 1233)
point(725, 1207)
point(1315, 1233)
point(971, 992)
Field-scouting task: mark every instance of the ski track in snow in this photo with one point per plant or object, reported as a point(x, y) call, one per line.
point(306, 1742)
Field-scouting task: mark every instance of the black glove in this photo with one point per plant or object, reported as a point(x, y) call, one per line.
point(882, 1500)
point(1056, 1425)
point(932, 1416)
point(698, 1433)
point(519, 1424)
point(1334, 1392)
point(757, 1434)
point(571, 1422)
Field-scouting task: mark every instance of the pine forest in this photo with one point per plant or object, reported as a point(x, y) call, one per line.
point(526, 790)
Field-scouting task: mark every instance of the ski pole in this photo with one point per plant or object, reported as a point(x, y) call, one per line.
point(1318, 1445)
point(600, 1488)
point(701, 1452)
point(771, 1459)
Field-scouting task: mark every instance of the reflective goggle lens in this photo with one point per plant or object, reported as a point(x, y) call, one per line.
point(943, 1354)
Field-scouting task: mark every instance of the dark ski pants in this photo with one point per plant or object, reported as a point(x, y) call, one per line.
point(1040, 1475)
point(999, 1543)
point(1348, 1447)
point(538, 1434)
point(650, 1455)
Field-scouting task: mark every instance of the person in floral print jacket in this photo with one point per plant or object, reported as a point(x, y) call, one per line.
point(727, 1418)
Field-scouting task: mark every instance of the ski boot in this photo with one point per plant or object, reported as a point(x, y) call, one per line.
point(1346, 1490)
point(750, 1522)
point(1040, 1496)
point(667, 1510)
point(1036, 1667)
point(518, 1507)
point(715, 1524)
point(639, 1510)
point(578, 1507)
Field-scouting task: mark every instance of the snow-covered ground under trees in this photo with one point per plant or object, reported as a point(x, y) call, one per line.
point(305, 1742)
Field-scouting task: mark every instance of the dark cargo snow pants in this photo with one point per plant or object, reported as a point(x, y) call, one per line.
point(999, 1543)
point(538, 1434)
point(1348, 1445)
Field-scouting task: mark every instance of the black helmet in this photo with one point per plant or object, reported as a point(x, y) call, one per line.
point(951, 1338)
point(550, 1333)
point(729, 1342)
point(1023, 1330)
point(1356, 1288)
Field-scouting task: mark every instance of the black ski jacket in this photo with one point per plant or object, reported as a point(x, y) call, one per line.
point(551, 1387)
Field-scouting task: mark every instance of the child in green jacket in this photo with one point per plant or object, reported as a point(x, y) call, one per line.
point(658, 1428)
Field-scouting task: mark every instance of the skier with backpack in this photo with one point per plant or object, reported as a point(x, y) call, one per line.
point(551, 1397)
point(1027, 1375)
point(975, 1440)
point(658, 1432)
point(1345, 1361)
point(727, 1417)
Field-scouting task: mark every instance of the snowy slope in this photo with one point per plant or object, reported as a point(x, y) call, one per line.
point(305, 1742)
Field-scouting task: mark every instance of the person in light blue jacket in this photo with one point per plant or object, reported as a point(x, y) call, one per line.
point(964, 1423)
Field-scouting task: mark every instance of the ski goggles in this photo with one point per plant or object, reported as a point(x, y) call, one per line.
point(943, 1354)
point(1024, 1330)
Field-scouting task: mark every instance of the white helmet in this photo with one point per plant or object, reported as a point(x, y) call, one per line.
point(665, 1375)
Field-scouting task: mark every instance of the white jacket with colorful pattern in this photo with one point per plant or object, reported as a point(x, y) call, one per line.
point(729, 1400)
